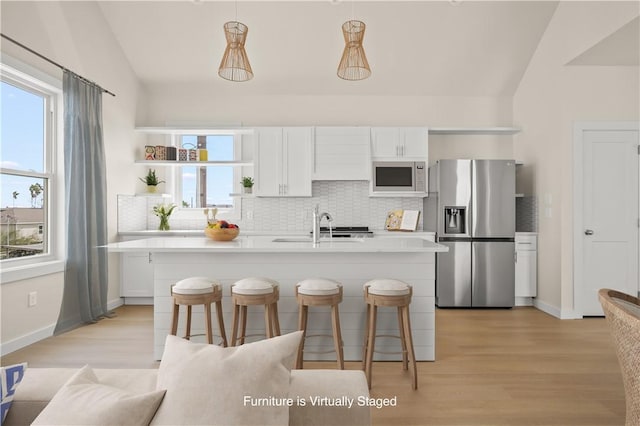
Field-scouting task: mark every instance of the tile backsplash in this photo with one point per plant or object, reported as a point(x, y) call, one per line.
point(135, 211)
point(347, 201)
point(527, 214)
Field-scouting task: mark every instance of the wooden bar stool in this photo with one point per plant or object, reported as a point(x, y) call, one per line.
point(254, 291)
point(319, 292)
point(391, 293)
point(198, 291)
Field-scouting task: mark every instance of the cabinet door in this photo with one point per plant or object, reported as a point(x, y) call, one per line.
point(268, 167)
point(296, 151)
point(341, 153)
point(526, 280)
point(385, 142)
point(136, 275)
point(415, 143)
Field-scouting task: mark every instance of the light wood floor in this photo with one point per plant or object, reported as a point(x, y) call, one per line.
point(493, 367)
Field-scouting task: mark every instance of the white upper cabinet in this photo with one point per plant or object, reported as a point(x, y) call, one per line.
point(283, 161)
point(393, 143)
point(297, 167)
point(341, 153)
point(415, 142)
point(268, 161)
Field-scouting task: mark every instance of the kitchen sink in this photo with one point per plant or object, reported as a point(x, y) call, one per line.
point(322, 240)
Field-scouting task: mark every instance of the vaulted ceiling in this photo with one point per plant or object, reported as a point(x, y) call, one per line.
point(434, 48)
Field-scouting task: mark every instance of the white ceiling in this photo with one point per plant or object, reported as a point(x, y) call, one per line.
point(436, 48)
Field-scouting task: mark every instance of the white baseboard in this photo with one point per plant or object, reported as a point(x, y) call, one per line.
point(555, 311)
point(569, 314)
point(27, 339)
point(138, 300)
point(524, 301)
point(115, 303)
point(41, 334)
point(549, 309)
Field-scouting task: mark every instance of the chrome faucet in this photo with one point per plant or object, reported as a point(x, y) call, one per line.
point(317, 218)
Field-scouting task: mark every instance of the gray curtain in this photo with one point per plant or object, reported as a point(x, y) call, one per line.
point(86, 279)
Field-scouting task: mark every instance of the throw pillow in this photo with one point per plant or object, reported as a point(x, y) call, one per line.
point(242, 385)
point(83, 400)
point(10, 377)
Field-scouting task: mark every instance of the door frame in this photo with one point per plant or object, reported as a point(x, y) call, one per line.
point(578, 218)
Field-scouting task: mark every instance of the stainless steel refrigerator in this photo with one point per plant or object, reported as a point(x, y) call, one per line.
point(474, 212)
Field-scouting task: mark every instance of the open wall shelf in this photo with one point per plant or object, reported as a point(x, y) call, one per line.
point(193, 163)
point(473, 130)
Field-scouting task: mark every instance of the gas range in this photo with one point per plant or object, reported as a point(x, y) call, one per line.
point(347, 232)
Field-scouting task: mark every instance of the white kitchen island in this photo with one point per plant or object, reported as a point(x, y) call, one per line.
point(349, 261)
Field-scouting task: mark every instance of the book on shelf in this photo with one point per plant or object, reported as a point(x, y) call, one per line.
point(402, 220)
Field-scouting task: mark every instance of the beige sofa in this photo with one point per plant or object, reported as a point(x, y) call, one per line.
point(41, 384)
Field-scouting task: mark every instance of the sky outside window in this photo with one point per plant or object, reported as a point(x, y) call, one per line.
point(21, 142)
point(219, 178)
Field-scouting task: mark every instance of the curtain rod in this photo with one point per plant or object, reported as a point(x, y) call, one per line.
point(63, 68)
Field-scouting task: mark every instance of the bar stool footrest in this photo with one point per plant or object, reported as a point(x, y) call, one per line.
point(308, 336)
point(203, 334)
point(331, 351)
point(388, 352)
point(251, 335)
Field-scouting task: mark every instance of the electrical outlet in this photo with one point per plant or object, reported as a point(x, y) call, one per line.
point(33, 298)
point(249, 214)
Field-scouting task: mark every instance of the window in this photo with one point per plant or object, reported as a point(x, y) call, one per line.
point(209, 186)
point(27, 141)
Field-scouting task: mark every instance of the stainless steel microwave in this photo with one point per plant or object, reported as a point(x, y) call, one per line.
point(399, 176)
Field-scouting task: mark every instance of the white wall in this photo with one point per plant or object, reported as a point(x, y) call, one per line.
point(550, 98)
point(75, 35)
point(193, 102)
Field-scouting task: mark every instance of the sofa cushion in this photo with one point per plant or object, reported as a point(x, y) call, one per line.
point(336, 385)
point(41, 384)
point(243, 385)
point(84, 400)
point(10, 377)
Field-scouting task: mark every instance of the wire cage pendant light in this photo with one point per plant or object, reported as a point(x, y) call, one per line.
point(353, 64)
point(235, 62)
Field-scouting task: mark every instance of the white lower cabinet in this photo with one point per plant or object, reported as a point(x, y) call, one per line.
point(136, 278)
point(526, 268)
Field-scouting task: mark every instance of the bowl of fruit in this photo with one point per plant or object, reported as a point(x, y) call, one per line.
point(221, 230)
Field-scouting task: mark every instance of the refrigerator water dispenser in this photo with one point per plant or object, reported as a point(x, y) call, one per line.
point(454, 220)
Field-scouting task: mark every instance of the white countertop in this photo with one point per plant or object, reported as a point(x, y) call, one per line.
point(266, 244)
point(199, 232)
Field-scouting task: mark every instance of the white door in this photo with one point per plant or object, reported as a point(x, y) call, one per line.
point(610, 215)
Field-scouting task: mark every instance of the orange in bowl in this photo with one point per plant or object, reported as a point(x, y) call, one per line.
point(221, 234)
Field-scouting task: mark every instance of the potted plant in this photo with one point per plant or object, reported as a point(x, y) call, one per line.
point(151, 180)
point(163, 212)
point(247, 183)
